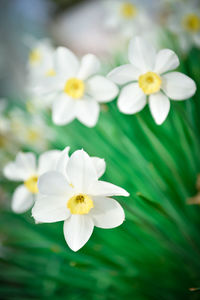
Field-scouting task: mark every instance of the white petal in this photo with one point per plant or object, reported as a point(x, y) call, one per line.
point(131, 99)
point(27, 161)
point(22, 200)
point(12, 172)
point(77, 231)
point(89, 66)
point(63, 111)
point(124, 74)
point(166, 60)
point(62, 161)
point(50, 209)
point(47, 86)
point(107, 212)
point(48, 161)
point(159, 105)
point(23, 167)
point(87, 112)
point(100, 165)
point(101, 89)
point(81, 170)
point(141, 54)
point(54, 184)
point(178, 86)
point(66, 62)
point(102, 188)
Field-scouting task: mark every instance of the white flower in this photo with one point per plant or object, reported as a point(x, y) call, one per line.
point(24, 169)
point(30, 130)
point(40, 62)
point(148, 80)
point(127, 17)
point(74, 194)
point(77, 90)
point(184, 21)
point(40, 65)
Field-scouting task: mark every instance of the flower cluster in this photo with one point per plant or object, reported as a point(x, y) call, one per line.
point(63, 188)
point(76, 90)
point(68, 188)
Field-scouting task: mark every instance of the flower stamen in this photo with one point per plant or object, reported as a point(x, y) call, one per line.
point(50, 73)
point(33, 135)
point(80, 204)
point(31, 184)
point(191, 23)
point(75, 88)
point(35, 56)
point(128, 10)
point(150, 83)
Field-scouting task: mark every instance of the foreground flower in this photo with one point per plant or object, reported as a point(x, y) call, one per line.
point(77, 91)
point(74, 194)
point(148, 81)
point(24, 169)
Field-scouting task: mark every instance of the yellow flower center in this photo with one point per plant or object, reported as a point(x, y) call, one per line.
point(191, 23)
point(75, 88)
point(30, 106)
point(50, 73)
point(33, 135)
point(150, 83)
point(128, 10)
point(35, 56)
point(31, 184)
point(80, 204)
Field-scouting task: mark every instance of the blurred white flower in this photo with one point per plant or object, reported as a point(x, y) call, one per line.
point(74, 194)
point(30, 130)
point(148, 80)
point(40, 65)
point(127, 17)
point(184, 22)
point(77, 91)
point(40, 57)
point(24, 169)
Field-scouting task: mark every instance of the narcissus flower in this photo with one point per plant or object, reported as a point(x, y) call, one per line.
point(40, 65)
point(148, 81)
point(25, 169)
point(40, 58)
point(30, 129)
point(77, 90)
point(127, 17)
point(184, 22)
point(74, 194)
